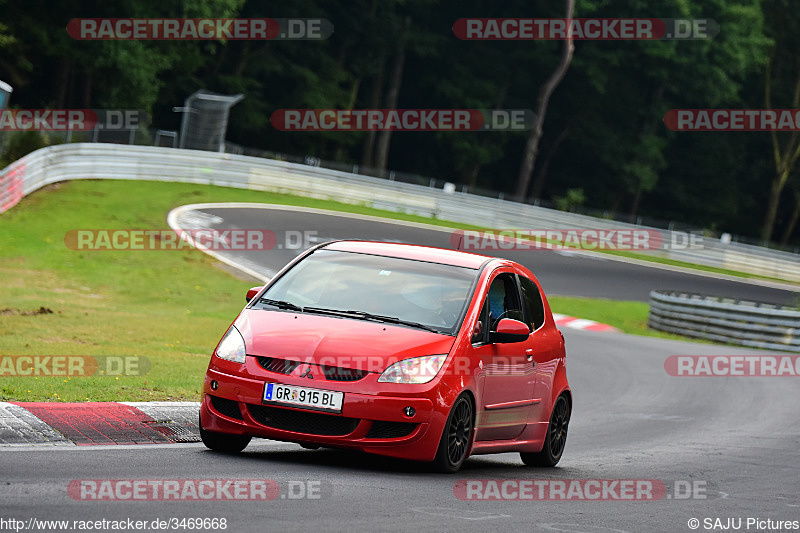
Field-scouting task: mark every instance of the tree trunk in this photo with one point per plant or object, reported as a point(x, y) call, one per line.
point(86, 94)
point(775, 191)
point(368, 150)
point(532, 146)
point(785, 157)
point(62, 84)
point(392, 94)
point(541, 178)
point(787, 234)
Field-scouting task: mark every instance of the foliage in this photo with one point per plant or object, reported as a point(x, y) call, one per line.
point(611, 102)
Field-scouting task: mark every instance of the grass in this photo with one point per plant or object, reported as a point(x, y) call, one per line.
point(628, 317)
point(169, 307)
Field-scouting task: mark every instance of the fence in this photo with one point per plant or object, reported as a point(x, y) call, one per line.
point(107, 161)
point(753, 324)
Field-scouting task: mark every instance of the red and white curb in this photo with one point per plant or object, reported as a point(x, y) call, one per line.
point(97, 423)
point(109, 423)
point(565, 321)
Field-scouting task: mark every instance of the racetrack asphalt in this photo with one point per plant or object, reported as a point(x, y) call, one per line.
point(735, 439)
point(564, 273)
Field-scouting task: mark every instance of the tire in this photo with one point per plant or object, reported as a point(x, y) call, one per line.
point(456, 437)
point(222, 442)
point(556, 438)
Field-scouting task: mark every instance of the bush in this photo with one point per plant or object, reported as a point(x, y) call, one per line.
point(21, 143)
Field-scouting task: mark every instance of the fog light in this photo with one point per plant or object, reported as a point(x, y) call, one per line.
point(409, 411)
point(214, 384)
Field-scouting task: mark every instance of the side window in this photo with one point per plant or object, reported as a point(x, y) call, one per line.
point(534, 309)
point(481, 329)
point(503, 300)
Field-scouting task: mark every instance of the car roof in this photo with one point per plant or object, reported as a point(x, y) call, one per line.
point(412, 251)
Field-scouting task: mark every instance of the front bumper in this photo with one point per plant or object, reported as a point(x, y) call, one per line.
point(368, 422)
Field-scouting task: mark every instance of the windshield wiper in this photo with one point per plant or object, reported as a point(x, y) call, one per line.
point(394, 320)
point(336, 312)
point(361, 315)
point(280, 304)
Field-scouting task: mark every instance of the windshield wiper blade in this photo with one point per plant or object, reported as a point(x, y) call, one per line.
point(337, 312)
point(281, 304)
point(394, 320)
point(363, 315)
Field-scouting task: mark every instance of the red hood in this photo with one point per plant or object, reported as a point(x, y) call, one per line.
point(334, 341)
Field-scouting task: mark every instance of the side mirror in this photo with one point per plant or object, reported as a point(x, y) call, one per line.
point(251, 292)
point(509, 330)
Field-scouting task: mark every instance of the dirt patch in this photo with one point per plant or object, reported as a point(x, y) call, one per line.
point(13, 311)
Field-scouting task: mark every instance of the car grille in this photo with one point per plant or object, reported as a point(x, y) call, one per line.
point(301, 422)
point(331, 373)
point(281, 366)
point(337, 373)
point(226, 407)
point(390, 430)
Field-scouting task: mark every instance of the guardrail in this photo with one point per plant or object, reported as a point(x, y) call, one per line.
point(753, 324)
point(111, 161)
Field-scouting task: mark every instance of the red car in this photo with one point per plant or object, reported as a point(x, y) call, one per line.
point(393, 349)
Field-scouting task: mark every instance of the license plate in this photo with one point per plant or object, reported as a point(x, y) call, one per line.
point(323, 400)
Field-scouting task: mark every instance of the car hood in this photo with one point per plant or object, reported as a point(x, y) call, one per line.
point(334, 341)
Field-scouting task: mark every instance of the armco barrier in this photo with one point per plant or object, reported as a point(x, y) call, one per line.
point(754, 324)
point(111, 161)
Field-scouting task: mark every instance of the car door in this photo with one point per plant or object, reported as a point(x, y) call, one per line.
point(546, 346)
point(508, 370)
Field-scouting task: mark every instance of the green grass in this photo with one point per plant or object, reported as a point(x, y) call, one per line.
point(170, 307)
point(628, 317)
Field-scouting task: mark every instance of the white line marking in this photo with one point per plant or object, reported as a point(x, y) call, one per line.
point(458, 513)
point(588, 254)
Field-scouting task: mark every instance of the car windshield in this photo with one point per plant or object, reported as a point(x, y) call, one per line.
point(372, 287)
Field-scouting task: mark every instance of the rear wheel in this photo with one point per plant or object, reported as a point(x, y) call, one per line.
point(222, 442)
point(556, 438)
point(456, 437)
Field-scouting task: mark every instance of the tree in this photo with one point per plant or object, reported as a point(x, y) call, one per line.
point(532, 145)
point(782, 76)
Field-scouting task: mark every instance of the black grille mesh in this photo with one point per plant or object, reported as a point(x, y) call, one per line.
point(302, 422)
point(281, 366)
point(390, 430)
point(336, 373)
point(331, 373)
point(226, 407)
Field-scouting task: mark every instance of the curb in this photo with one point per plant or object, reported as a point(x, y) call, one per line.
point(565, 321)
point(131, 423)
point(97, 423)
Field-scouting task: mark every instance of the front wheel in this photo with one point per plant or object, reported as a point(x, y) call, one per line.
point(556, 438)
point(456, 437)
point(221, 442)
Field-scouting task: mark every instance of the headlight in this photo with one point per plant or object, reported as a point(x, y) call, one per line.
point(231, 347)
point(414, 370)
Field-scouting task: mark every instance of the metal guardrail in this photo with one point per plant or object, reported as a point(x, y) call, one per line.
point(753, 324)
point(110, 161)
